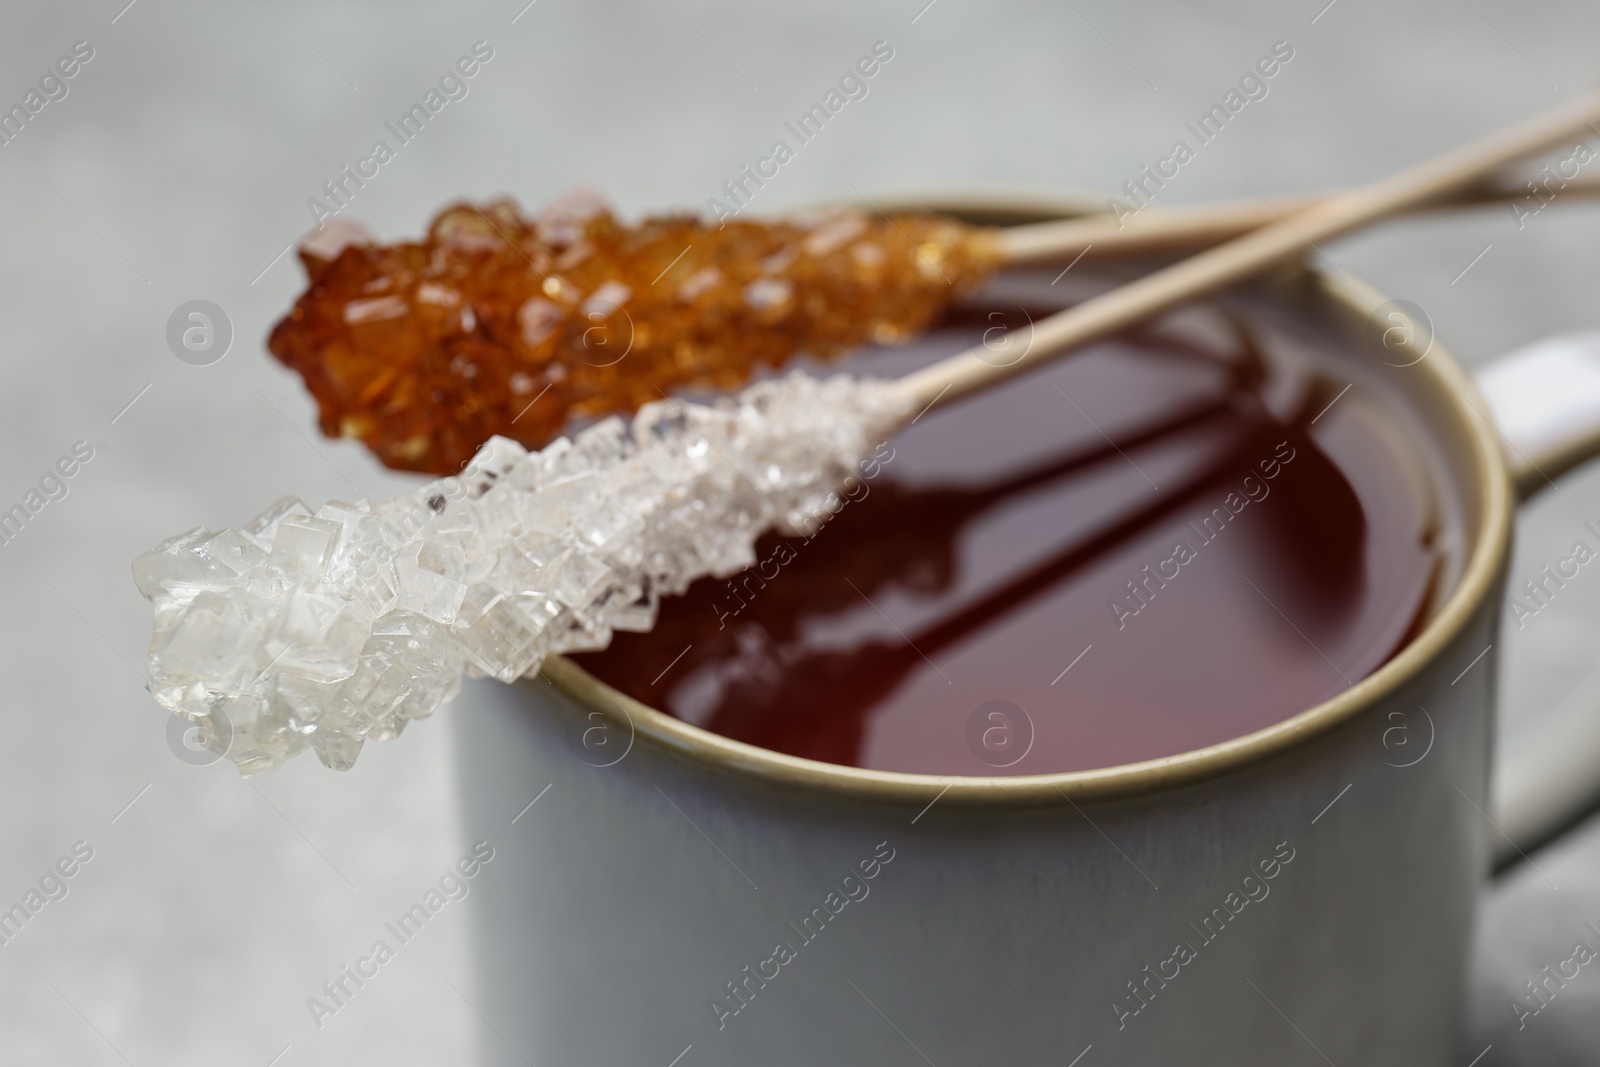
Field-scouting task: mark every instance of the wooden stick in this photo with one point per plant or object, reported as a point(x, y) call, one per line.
point(1279, 242)
point(1190, 229)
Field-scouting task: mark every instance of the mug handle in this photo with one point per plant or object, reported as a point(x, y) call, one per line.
point(1545, 401)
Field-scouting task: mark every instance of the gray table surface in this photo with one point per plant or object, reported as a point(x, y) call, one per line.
point(178, 167)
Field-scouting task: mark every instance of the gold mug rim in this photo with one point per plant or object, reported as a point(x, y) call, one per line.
point(1492, 527)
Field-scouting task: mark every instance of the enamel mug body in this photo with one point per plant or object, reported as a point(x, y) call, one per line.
point(1300, 895)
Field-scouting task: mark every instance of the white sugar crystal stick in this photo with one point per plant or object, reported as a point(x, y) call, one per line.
point(323, 630)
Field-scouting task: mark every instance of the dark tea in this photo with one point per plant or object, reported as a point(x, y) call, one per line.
point(1156, 544)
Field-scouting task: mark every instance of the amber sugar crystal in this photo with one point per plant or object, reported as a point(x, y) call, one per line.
point(501, 323)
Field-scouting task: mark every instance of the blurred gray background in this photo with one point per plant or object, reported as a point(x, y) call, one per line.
point(178, 167)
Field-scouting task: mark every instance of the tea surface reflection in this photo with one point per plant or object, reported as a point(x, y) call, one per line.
point(1157, 544)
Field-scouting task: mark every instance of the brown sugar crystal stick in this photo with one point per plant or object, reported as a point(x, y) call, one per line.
point(1284, 240)
point(497, 323)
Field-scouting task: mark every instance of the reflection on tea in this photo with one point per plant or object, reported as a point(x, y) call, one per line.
point(1159, 544)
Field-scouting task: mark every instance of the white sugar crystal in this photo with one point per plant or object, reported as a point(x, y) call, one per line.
point(302, 546)
point(432, 579)
point(326, 630)
point(318, 634)
point(178, 562)
point(264, 527)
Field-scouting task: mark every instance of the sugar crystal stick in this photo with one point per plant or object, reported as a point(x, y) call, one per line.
point(323, 630)
point(500, 323)
point(497, 323)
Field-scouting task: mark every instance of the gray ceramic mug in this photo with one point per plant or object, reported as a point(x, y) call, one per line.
point(667, 896)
